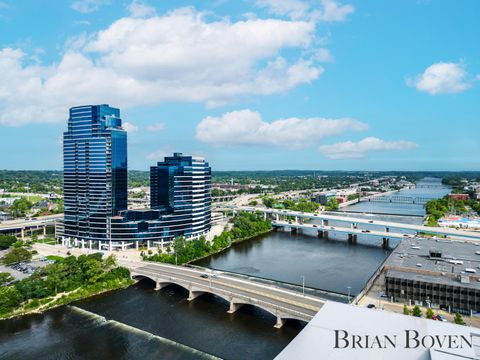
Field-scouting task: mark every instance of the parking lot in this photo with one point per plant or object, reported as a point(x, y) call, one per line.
point(22, 270)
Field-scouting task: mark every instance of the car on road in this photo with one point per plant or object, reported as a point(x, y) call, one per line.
point(370, 221)
point(371, 306)
point(205, 276)
point(365, 231)
point(441, 318)
point(315, 226)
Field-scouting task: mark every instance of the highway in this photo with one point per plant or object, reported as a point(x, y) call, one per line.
point(453, 234)
point(346, 230)
point(22, 223)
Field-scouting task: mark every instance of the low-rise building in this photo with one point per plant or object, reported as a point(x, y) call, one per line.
point(435, 272)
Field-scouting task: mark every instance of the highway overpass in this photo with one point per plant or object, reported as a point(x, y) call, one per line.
point(356, 222)
point(20, 226)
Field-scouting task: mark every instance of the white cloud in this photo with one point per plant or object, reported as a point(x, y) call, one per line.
point(156, 127)
point(246, 127)
point(330, 10)
point(353, 150)
point(180, 56)
point(88, 6)
point(81, 22)
point(333, 11)
point(441, 78)
point(159, 154)
point(323, 55)
point(139, 9)
point(295, 9)
point(130, 128)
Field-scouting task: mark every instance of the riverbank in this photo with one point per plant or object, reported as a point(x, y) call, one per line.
point(68, 279)
point(244, 226)
point(230, 245)
point(42, 305)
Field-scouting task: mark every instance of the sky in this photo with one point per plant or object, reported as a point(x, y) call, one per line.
point(248, 84)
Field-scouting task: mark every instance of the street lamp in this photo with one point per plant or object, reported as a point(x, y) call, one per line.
point(303, 285)
point(349, 288)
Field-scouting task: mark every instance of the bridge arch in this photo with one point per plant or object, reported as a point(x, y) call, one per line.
point(235, 302)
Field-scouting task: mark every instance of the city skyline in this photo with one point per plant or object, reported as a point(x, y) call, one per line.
point(249, 85)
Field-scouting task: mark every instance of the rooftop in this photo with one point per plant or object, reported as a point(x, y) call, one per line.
point(317, 339)
point(411, 260)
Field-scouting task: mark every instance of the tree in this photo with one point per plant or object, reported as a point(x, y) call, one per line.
point(417, 311)
point(406, 310)
point(20, 207)
point(458, 319)
point(429, 313)
point(10, 298)
point(6, 241)
point(110, 262)
point(5, 278)
point(332, 204)
point(352, 197)
point(17, 255)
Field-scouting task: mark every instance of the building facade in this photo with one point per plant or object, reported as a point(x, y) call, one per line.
point(96, 189)
point(180, 196)
point(95, 171)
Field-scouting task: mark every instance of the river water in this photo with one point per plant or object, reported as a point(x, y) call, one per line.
point(139, 323)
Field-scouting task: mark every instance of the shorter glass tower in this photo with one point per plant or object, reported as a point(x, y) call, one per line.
point(180, 193)
point(182, 185)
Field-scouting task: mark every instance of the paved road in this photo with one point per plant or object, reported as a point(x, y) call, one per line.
point(346, 230)
point(22, 223)
point(225, 284)
point(451, 233)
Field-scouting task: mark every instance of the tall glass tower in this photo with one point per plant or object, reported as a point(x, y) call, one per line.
point(95, 171)
point(182, 185)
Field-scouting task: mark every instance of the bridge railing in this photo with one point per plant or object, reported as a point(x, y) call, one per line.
point(311, 291)
point(277, 309)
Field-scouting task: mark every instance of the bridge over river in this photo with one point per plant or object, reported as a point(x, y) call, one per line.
point(282, 303)
point(380, 228)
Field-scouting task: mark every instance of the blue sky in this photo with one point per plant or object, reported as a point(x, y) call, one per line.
point(248, 84)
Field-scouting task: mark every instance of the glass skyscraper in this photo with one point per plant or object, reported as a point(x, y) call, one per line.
point(182, 184)
point(95, 171)
point(180, 193)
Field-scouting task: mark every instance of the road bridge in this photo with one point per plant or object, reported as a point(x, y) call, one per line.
point(283, 304)
point(351, 232)
point(387, 226)
point(22, 226)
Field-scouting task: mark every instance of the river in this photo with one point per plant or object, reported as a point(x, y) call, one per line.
point(140, 323)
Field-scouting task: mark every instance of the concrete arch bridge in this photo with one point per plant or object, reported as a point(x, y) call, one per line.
point(281, 303)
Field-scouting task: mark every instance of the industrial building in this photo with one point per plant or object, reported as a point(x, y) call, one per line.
point(438, 273)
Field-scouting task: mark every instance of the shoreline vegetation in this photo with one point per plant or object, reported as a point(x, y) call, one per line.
point(68, 279)
point(438, 208)
point(74, 278)
point(245, 226)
